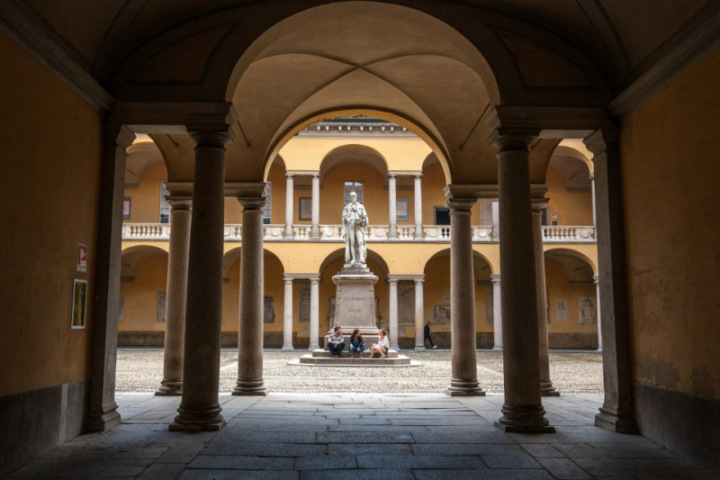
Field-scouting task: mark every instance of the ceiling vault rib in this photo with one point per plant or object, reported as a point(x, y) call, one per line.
point(598, 17)
point(474, 127)
point(124, 17)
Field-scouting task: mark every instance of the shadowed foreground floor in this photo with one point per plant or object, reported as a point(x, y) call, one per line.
point(358, 436)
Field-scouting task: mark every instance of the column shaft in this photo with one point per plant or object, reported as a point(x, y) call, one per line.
point(288, 315)
point(523, 410)
point(596, 281)
point(289, 204)
point(176, 298)
point(393, 313)
point(462, 301)
point(419, 316)
point(418, 207)
point(250, 332)
point(314, 313)
point(497, 312)
point(315, 230)
point(546, 386)
point(392, 201)
point(200, 409)
point(102, 411)
point(617, 411)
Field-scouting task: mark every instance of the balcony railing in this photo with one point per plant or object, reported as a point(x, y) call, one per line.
point(376, 233)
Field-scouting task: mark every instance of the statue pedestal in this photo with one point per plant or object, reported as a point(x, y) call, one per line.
point(355, 300)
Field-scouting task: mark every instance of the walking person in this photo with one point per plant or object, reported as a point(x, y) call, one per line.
point(427, 335)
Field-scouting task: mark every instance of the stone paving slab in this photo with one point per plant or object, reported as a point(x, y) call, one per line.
point(351, 435)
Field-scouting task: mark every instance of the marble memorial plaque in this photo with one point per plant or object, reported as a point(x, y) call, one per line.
point(588, 312)
point(406, 303)
point(161, 304)
point(303, 301)
point(268, 312)
point(562, 310)
point(441, 314)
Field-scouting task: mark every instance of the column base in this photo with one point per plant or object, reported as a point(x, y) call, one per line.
point(198, 419)
point(250, 387)
point(313, 347)
point(547, 389)
point(419, 348)
point(395, 347)
point(497, 349)
point(287, 348)
point(169, 388)
point(613, 421)
point(464, 388)
point(103, 419)
point(524, 420)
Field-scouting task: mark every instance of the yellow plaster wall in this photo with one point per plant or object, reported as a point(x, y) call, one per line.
point(140, 312)
point(145, 206)
point(273, 286)
point(670, 175)
point(559, 288)
point(51, 150)
point(573, 208)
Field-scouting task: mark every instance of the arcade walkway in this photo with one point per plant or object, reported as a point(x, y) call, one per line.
point(360, 436)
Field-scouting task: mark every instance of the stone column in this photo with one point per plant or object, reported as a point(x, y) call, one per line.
point(314, 313)
point(176, 295)
point(546, 386)
point(393, 313)
point(250, 332)
point(288, 315)
point(102, 411)
point(523, 410)
point(462, 301)
point(392, 200)
point(315, 230)
point(418, 207)
point(596, 282)
point(289, 203)
point(199, 408)
point(616, 413)
point(419, 315)
point(497, 312)
point(592, 184)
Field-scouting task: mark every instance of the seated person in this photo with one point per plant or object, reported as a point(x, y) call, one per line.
point(336, 342)
point(357, 344)
point(382, 346)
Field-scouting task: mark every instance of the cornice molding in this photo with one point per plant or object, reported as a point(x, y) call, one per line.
point(680, 54)
point(24, 26)
point(546, 121)
point(176, 117)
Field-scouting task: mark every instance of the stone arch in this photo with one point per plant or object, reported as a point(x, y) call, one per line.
point(559, 252)
point(232, 257)
point(133, 256)
point(359, 154)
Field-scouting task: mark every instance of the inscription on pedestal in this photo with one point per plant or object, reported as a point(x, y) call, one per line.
point(355, 304)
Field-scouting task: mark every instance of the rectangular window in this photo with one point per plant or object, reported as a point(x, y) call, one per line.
point(164, 204)
point(442, 216)
point(356, 187)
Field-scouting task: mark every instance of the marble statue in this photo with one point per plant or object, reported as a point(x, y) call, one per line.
point(354, 230)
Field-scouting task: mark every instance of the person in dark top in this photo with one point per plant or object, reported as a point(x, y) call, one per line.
point(427, 335)
point(357, 344)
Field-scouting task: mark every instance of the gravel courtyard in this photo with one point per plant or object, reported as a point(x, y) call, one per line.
point(140, 370)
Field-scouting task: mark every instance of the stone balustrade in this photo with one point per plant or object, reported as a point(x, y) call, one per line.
point(376, 233)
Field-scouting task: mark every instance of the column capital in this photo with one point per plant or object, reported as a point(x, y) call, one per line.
point(596, 279)
point(211, 138)
point(180, 204)
point(315, 175)
point(315, 280)
point(392, 280)
point(246, 189)
point(290, 174)
point(392, 175)
point(252, 203)
point(537, 196)
point(460, 205)
point(495, 278)
point(472, 190)
point(419, 280)
point(602, 140)
point(417, 176)
point(288, 280)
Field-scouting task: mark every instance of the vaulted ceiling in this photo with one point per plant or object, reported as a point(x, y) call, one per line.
point(437, 67)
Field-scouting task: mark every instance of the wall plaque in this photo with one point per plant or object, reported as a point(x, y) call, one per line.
point(161, 305)
point(562, 310)
point(406, 303)
point(441, 314)
point(303, 301)
point(268, 312)
point(588, 312)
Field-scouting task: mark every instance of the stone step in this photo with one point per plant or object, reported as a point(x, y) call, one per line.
point(348, 361)
point(346, 354)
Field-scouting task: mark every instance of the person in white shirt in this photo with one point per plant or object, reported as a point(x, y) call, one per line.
point(381, 348)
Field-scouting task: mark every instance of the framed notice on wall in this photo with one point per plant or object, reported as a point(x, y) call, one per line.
point(305, 210)
point(402, 209)
point(79, 303)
